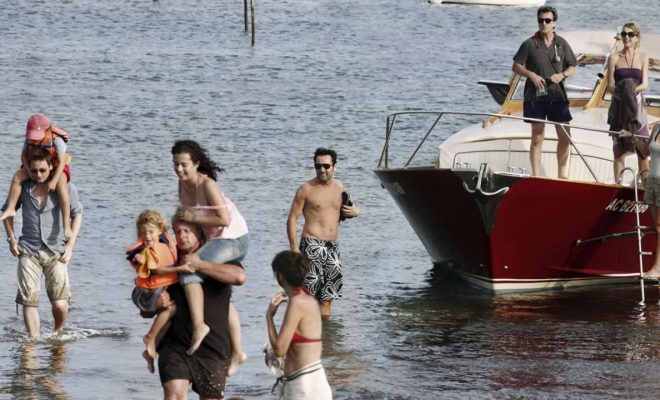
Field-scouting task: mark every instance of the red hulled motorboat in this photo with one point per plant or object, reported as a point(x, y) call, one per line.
point(480, 214)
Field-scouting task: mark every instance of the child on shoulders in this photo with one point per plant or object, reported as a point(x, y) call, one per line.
point(154, 258)
point(40, 133)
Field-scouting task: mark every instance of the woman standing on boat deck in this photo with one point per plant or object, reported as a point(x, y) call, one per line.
point(299, 337)
point(633, 65)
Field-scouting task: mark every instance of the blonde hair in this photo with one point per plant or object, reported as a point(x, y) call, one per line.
point(635, 28)
point(150, 217)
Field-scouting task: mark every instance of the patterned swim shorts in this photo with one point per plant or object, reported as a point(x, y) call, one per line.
point(324, 278)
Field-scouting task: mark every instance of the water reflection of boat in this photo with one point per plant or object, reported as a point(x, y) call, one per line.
point(479, 213)
point(517, 3)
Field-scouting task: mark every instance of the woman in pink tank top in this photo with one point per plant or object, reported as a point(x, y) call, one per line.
point(227, 240)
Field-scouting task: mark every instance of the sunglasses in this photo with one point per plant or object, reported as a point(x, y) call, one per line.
point(546, 20)
point(324, 166)
point(629, 34)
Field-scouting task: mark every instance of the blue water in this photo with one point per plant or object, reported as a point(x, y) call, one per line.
point(128, 77)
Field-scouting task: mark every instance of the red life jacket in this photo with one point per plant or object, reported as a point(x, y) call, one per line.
point(48, 143)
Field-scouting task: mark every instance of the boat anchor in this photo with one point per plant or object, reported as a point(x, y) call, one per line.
point(478, 189)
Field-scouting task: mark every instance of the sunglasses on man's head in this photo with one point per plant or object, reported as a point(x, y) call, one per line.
point(546, 20)
point(629, 34)
point(324, 166)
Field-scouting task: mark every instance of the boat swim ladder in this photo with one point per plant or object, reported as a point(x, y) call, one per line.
point(638, 229)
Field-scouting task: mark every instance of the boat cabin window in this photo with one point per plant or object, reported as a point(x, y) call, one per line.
point(585, 80)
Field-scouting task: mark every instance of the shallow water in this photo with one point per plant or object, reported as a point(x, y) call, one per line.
point(126, 78)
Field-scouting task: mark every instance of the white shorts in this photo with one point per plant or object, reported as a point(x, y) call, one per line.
point(307, 383)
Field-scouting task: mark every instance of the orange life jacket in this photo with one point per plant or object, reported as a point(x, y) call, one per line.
point(144, 259)
point(48, 143)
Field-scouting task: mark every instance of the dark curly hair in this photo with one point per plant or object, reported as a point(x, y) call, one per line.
point(198, 154)
point(326, 152)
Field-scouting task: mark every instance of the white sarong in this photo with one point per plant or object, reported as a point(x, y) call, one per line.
point(307, 383)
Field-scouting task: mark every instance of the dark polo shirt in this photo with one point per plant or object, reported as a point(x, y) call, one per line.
point(540, 59)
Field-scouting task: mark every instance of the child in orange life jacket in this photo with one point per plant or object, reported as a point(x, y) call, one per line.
point(154, 258)
point(41, 133)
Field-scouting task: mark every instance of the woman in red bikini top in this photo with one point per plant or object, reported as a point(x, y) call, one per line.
point(299, 337)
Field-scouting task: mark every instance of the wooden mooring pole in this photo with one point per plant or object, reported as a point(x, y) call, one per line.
point(252, 12)
point(245, 17)
point(245, 14)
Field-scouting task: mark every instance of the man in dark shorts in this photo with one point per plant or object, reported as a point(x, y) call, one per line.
point(320, 200)
point(546, 60)
point(207, 368)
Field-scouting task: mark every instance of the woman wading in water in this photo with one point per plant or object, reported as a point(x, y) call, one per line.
point(299, 338)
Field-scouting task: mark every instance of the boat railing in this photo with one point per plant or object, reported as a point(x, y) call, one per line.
point(383, 162)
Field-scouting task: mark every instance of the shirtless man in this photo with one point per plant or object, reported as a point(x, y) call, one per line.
point(320, 201)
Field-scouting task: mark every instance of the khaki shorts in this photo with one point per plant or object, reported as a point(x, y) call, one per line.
point(32, 267)
point(652, 191)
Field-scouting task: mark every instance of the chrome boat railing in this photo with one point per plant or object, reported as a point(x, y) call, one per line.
point(383, 162)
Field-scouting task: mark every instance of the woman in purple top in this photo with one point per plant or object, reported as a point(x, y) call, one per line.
point(630, 63)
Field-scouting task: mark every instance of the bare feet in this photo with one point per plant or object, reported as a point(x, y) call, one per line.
point(150, 361)
point(6, 214)
point(150, 344)
point(653, 273)
point(198, 335)
point(236, 360)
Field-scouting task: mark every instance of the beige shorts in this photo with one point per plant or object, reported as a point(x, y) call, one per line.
point(652, 191)
point(32, 267)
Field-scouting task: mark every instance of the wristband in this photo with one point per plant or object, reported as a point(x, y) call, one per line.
point(10, 238)
point(564, 73)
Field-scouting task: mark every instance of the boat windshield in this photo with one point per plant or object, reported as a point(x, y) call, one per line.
point(579, 86)
point(590, 70)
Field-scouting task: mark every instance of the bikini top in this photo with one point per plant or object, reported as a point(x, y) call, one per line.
point(298, 338)
point(634, 73)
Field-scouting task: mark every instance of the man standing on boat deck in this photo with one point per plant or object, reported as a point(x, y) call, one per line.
point(546, 60)
point(320, 201)
point(42, 248)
